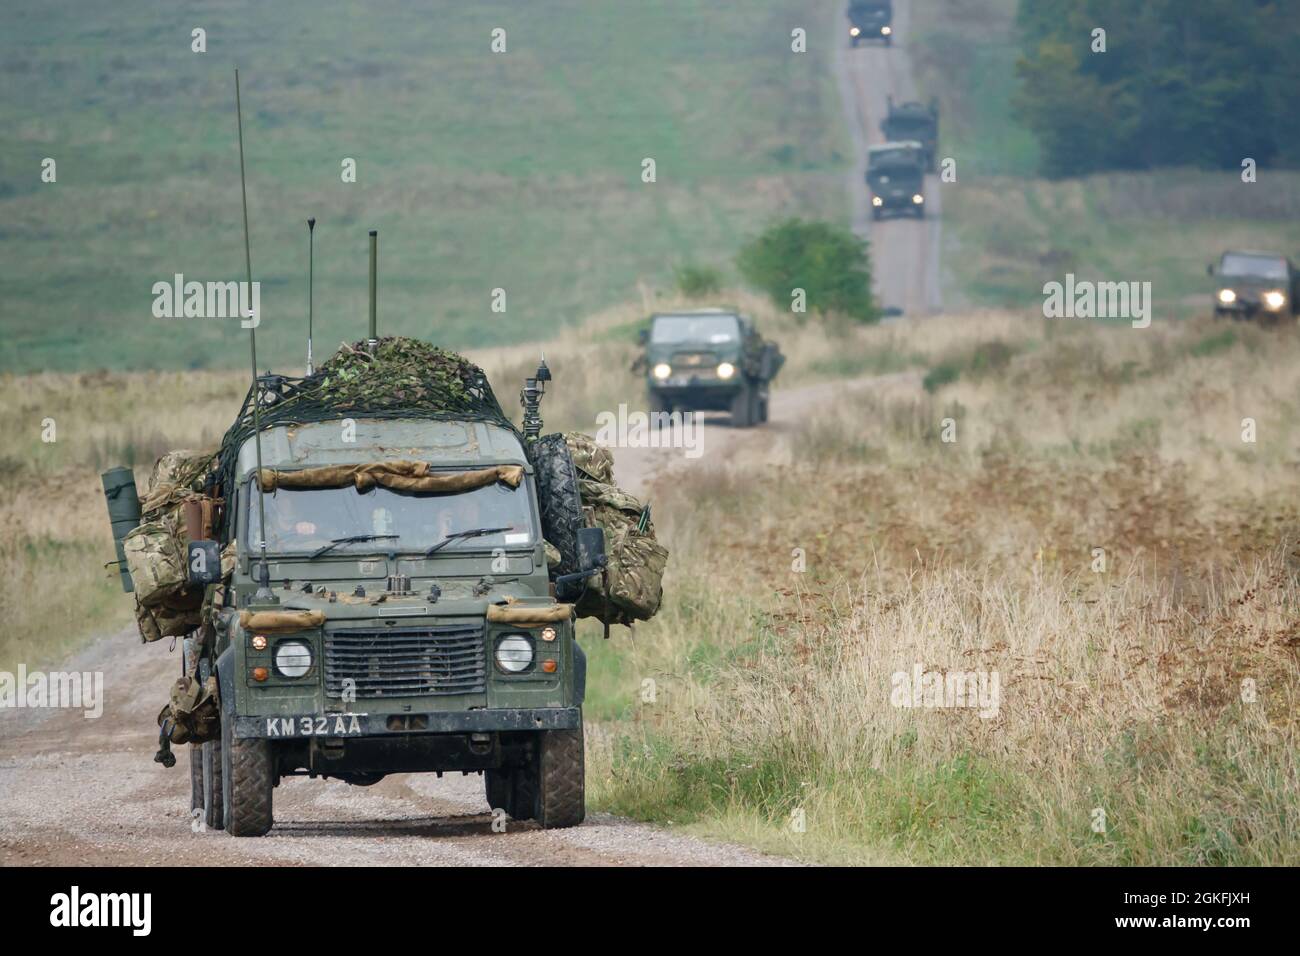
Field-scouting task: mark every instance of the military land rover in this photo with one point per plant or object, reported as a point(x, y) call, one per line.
point(1251, 285)
point(896, 179)
point(709, 360)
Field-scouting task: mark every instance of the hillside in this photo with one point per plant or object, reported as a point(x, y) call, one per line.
point(518, 170)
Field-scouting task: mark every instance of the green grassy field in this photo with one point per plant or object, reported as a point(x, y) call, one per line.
point(518, 170)
point(1008, 232)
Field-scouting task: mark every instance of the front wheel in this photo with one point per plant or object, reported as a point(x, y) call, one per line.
point(247, 778)
point(561, 779)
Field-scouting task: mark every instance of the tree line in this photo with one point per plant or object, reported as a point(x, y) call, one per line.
point(1205, 83)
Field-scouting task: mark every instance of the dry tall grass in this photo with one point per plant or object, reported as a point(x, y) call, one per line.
point(1160, 690)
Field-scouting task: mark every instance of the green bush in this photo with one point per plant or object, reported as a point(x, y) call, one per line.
point(945, 373)
point(697, 281)
point(827, 261)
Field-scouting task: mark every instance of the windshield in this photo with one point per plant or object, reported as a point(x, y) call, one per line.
point(1262, 267)
point(307, 519)
point(713, 329)
point(869, 6)
point(894, 158)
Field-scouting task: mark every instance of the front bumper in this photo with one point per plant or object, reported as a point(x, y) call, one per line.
point(354, 725)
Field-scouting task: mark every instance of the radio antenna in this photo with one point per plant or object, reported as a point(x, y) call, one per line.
point(263, 575)
point(311, 275)
point(374, 290)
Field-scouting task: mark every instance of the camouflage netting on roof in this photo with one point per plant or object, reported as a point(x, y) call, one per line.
point(399, 378)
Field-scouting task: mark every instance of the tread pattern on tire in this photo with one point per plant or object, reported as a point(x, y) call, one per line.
point(561, 770)
point(196, 778)
point(558, 497)
point(213, 790)
point(248, 787)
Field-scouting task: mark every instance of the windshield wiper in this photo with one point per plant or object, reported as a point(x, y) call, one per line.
point(471, 533)
point(348, 540)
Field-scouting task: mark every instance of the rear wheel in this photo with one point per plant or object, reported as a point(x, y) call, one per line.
point(742, 408)
point(247, 780)
point(497, 785)
point(213, 816)
point(196, 778)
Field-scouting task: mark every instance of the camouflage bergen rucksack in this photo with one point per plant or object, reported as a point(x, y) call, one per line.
point(636, 561)
point(155, 549)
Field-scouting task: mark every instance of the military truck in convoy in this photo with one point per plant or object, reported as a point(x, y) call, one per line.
point(896, 179)
point(913, 122)
point(871, 20)
point(709, 360)
point(1251, 285)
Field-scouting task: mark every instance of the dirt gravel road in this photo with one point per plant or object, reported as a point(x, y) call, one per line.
point(904, 252)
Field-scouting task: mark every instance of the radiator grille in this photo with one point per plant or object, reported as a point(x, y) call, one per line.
point(406, 661)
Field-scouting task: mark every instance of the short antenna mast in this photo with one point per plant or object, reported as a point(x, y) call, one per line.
point(311, 276)
point(263, 575)
point(374, 290)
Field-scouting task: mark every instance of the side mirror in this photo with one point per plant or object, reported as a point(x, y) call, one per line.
point(203, 563)
point(591, 549)
point(643, 336)
point(1209, 269)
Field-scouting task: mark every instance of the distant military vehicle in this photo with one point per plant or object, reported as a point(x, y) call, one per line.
point(912, 121)
point(871, 20)
point(709, 360)
point(1255, 284)
point(896, 179)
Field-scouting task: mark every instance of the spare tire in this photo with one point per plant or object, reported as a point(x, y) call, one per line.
point(558, 497)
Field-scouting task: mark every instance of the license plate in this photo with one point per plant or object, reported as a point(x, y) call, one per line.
point(317, 725)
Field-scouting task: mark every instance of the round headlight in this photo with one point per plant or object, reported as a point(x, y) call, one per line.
point(726, 370)
point(854, 31)
point(663, 370)
point(918, 199)
point(292, 658)
point(1274, 299)
point(514, 653)
point(877, 201)
point(886, 31)
point(1227, 296)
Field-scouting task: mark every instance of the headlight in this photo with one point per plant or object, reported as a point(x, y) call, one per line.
point(854, 31)
point(877, 201)
point(918, 199)
point(663, 370)
point(726, 370)
point(1274, 299)
point(292, 658)
point(886, 31)
point(1227, 296)
point(514, 653)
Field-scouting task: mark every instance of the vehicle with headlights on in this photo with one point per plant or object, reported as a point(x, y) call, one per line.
point(384, 601)
point(896, 179)
point(871, 20)
point(709, 360)
point(1255, 285)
